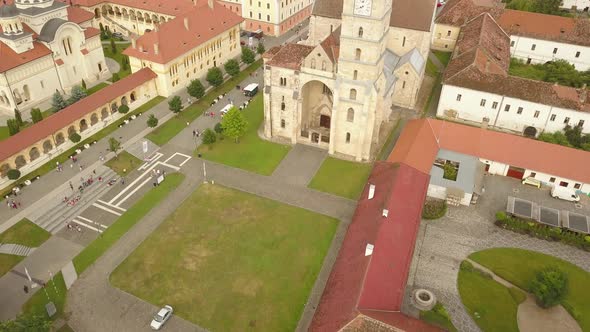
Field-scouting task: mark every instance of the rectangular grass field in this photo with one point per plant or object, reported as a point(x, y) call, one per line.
point(341, 177)
point(230, 261)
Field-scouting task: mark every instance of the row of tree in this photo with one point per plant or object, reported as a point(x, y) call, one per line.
point(570, 136)
point(550, 7)
point(557, 71)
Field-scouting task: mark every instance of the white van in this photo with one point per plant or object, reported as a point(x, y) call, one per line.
point(251, 90)
point(226, 109)
point(564, 193)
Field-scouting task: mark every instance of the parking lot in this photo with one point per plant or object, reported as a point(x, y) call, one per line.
point(442, 244)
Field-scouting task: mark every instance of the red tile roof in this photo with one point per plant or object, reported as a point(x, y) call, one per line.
point(91, 32)
point(458, 12)
point(174, 39)
point(55, 122)
point(59, 62)
point(10, 59)
point(290, 56)
point(331, 45)
point(377, 282)
point(491, 145)
point(79, 15)
point(167, 7)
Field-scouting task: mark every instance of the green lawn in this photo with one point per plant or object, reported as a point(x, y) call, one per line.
point(123, 163)
point(4, 133)
point(7, 262)
point(36, 304)
point(231, 261)
point(91, 253)
point(172, 127)
point(341, 177)
point(521, 69)
point(519, 267)
point(252, 153)
point(96, 88)
point(438, 316)
point(65, 328)
point(118, 56)
point(26, 233)
point(431, 69)
point(489, 303)
point(443, 57)
point(50, 165)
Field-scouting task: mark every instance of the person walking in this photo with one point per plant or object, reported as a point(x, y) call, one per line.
point(194, 133)
point(71, 186)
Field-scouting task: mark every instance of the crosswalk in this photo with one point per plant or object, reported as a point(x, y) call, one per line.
point(92, 225)
point(105, 206)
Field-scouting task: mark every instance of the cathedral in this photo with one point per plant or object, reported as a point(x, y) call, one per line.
point(335, 89)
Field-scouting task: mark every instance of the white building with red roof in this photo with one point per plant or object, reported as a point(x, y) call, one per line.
point(45, 46)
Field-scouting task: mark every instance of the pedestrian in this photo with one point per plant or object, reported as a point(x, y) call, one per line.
point(71, 186)
point(187, 123)
point(80, 168)
point(93, 172)
point(194, 133)
point(100, 156)
point(122, 181)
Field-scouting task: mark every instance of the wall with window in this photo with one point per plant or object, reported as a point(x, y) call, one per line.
point(320, 28)
point(541, 51)
point(401, 41)
point(444, 37)
point(580, 5)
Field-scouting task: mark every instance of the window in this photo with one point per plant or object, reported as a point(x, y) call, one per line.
point(555, 50)
point(512, 43)
point(323, 65)
point(459, 97)
point(552, 118)
point(357, 54)
point(268, 18)
point(43, 84)
point(507, 108)
point(403, 84)
point(361, 32)
point(282, 106)
point(533, 47)
point(577, 186)
point(577, 54)
point(282, 123)
point(482, 103)
point(528, 61)
point(259, 17)
point(350, 115)
point(563, 184)
point(347, 137)
point(404, 42)
point(494, 105)
point(533, 174)
point(448, 33)
point(355, 74)
point(268, 6)
point(283, 81)
point(581, 123)
point(537, 114)
point(552, 180)
point(352, 94)
point(519, 110)
point(250, 17)
point(566, 120)
point(258, 3)
point(312, 63)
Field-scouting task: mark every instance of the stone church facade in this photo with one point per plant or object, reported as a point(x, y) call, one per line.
point(335, 89)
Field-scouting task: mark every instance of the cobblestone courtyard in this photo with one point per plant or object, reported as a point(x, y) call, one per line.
point(442, 244)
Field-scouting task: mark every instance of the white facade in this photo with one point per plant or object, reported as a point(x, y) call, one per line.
point(440, 192)
point(506, 112)
point(540, 51)
point(580, 5)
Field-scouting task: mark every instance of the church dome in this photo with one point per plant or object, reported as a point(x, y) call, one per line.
point(7, 11)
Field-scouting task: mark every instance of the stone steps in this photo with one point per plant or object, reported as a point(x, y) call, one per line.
point(15, 249)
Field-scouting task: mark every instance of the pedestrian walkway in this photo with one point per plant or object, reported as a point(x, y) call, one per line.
point(15, 249)
point(300, 165)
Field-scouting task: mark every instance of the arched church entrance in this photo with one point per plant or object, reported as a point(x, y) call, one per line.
point(316, 112)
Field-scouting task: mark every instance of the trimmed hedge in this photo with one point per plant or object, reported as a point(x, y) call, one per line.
point(544, 232)
point(434, 209)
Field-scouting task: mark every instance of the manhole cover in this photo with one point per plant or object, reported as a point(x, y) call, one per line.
point(515, 190)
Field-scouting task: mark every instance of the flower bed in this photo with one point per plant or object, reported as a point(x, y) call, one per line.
point(540, 231)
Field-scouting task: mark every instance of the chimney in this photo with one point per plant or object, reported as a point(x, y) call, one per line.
point(156, 49)
point(141, 48)
point(186, 23)
point(210, 3)
point(133, 42)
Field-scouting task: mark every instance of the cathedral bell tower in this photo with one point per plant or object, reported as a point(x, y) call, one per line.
point(363, 39)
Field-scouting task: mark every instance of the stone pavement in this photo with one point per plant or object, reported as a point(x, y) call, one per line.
point(113, 65)
point(300, 165)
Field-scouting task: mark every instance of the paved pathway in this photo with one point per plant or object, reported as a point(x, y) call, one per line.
point(15, 249)
point(113, 65)
point(300, 165)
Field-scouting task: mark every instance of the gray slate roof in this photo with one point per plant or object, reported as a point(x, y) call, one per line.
point(50, 28)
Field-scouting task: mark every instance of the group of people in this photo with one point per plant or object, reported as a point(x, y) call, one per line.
point(13, 204)
point(69, 226)
point(196, 133)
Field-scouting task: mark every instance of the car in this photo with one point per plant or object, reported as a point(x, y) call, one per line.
point(117, 35)
point(161, 317)
point(531, 182)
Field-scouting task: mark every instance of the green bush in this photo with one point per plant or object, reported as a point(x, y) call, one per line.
point(450, 172)
point(75, 138)
point(13, 127)
point(152, 121)
point(549, 286)
point(501, 215)
point(36, 115)
point(13, 174)
point(116, 77)
point(123, 109)
point(434, 209)
point(218, 128)
point(209, 136)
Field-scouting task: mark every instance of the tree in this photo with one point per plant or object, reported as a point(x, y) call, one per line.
point(175, 104)
point(18, 117)
point(260, 49)
point(209, 136)
point(549, 286)
point(247, 55)
point(75, 137)
point(58, 102)
point(36, 115)
point(78, 93)
point(234, 124)
point(101, 27)
point(115, 77)
point(152, 121)
point(214, 76)
point(123, 109)
point(550, 7)
point(27, 323)
point(232, 67)
point(113, 46)
point(563, 73)
point(13, 174)
point(196, 89)
point(13, 127)
point(114, 145)
point(84, 85)
point(124, 63)
point(218, 128)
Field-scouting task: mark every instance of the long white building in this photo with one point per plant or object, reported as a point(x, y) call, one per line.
point(579, 5)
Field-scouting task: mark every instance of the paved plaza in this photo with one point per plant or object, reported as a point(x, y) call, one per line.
point(442, 244)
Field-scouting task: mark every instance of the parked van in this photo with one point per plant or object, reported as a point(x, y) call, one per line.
point(251, 90)
point(532, 182)
point(226, 109)
point(564, 193)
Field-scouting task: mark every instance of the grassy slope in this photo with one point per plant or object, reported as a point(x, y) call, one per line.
point(519, 267)
point(341, 177)
point(252, 153)
point(231, 261)
point(438, 316)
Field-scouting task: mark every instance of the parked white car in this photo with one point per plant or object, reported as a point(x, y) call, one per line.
point(161, 317)
point(566, 194)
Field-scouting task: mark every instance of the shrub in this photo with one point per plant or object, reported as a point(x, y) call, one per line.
point(450, 172)
point(78, 93)
point(152, 121)
point(218, 128)
point(115, 77)
point(214, 76)
point(13, 127)
point(232, 67)
point(19, 118)
point(501, 216)
point(84, 85)
point(434, 209)
point(549, 286)
point(248, 55)
point(75, 138)
point(260, 49)
point(58, 102)
point(123, 109)
point(209, 136)
point(13, 174)
point(36, 115)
